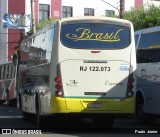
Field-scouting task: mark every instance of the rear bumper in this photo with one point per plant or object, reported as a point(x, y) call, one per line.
point(81, 105)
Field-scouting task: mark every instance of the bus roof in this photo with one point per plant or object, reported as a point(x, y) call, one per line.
point(95, 17)
point(148, 30)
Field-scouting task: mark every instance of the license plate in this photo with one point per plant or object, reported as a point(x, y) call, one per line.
point(95, 105)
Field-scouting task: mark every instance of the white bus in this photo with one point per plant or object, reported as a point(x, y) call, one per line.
point(148, 74)
point(88, 70)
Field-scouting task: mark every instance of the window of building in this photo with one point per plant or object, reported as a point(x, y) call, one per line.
point(10, 70)
point(88, 12)
point(67, 11)
point(44, 11)
point(6, 72)
point(2, 72)
point(109, 13)
point(13, 71)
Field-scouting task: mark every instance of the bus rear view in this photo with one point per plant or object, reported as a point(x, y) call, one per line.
point(95, 68)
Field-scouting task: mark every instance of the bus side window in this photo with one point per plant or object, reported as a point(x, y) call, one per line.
point(6, 72)
point(9, 69)
point(3, 72)
point(148, 57)
point(4, 76)
point(12, 71)
point(157, 57)
point(140, 56)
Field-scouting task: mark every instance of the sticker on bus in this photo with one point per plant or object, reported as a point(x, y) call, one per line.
point(124, 68)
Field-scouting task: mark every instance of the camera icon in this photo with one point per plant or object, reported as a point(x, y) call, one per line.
point(6, 131)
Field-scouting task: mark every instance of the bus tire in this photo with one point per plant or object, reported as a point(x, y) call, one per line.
point(142, 117)
point(38, 114)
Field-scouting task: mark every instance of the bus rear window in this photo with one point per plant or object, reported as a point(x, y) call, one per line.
point(95, 36)
point(34, 80)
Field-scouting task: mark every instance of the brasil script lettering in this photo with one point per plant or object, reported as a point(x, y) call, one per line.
point(147, 76)
point(86, 34)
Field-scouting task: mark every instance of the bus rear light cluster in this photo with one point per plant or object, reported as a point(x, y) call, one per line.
point(130, 85)
point(58, 86)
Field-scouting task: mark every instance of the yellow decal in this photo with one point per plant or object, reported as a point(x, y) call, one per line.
point(154, 46)
point(86, 34)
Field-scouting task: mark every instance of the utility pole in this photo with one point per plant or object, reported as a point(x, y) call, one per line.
point(121, 9)
point(33, 16)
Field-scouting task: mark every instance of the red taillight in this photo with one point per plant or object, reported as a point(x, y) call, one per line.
point(58, 79)
point(58, 86)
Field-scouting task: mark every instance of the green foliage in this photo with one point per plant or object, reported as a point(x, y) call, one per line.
point(44, 23)
point(39, 26)
point(144, 17)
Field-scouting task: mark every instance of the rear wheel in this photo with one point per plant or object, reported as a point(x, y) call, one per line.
point(39, 119)
point(142, 117)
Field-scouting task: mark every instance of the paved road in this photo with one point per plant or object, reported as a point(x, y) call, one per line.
point(10, 117)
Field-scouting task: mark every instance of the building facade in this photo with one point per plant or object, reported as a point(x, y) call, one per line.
point(15, 21)
point(10, 36)
point(70, 8)
point(74, 8)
